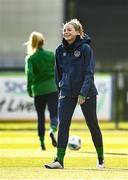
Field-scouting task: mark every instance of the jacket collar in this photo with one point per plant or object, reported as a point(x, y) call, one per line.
point(71, 46)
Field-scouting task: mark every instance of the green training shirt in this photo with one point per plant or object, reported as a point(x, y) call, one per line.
point(39, 69)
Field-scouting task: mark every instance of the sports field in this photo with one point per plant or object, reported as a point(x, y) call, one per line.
point(22, 158)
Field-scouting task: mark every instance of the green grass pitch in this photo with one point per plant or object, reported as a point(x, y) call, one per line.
point(21, 156)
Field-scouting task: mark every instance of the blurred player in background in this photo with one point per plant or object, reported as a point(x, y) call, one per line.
point(39, 68)
point(75, 65)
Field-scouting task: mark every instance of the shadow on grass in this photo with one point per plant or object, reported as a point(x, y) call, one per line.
point(109, 153)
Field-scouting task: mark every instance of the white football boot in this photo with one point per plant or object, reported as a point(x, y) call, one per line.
point(54, 165)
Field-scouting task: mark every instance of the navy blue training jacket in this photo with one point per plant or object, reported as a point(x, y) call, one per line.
point(74, 68)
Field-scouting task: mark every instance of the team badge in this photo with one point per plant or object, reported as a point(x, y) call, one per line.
point(77, 53)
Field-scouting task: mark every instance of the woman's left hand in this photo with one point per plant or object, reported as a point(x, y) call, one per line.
point(81, 101)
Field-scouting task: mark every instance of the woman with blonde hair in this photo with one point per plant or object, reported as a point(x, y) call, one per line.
point(39, 68)
point(75, 65)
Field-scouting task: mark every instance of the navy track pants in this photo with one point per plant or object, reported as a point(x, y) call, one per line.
point(66, 107)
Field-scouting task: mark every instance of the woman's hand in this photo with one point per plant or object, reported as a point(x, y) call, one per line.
point(81, 99)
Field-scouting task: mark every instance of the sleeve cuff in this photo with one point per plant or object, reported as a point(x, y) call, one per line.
point(82, 97)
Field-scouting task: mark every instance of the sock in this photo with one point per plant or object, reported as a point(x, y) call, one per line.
point(53, 128)
point(61, 154)
point(100, 152)
point(41, 137)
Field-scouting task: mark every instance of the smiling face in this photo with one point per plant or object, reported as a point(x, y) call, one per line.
point(69, 33)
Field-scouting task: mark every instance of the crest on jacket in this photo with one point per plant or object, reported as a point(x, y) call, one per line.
point(77, 53)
